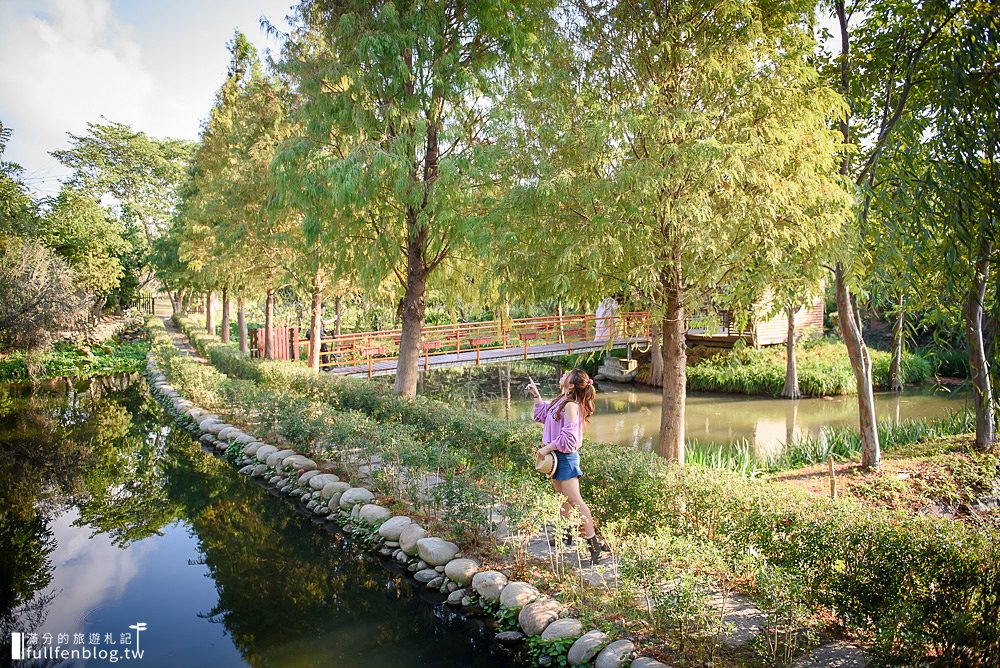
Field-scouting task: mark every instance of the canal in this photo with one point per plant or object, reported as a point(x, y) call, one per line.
point(112, 519)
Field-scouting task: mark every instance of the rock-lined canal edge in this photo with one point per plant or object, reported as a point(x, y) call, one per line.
point(433, 562)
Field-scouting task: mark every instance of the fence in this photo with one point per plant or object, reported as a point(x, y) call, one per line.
point(359, 348)
point(145, 302)
point(286, 343)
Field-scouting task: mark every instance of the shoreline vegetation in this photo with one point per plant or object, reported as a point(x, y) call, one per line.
point(822, 365)
point(80, 361)
point(910, 587)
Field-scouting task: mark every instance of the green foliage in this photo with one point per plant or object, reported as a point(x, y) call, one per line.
point(823, 369)
point(17, 208)
point(873, 568)
point(78, 229)
point(73, 361)
point(781, 593)
point(548, 652)
point(951, 362)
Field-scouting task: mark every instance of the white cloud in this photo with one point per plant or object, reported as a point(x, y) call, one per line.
point(153, 65)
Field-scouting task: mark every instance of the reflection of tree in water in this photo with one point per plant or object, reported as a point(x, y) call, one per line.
point(289, 592)
point(90, 444)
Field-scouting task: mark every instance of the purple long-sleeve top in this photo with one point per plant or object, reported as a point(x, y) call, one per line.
point(561, 433)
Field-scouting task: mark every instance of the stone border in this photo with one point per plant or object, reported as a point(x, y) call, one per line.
point(433, 562)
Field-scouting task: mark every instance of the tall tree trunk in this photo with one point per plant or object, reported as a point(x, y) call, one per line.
point(225, 315)
point(316, 324)
point(671, 443)
point(97, 307)
point(209, 314)
point(861, 363)
point(183, 296)
point(791, 389)
point(269, 325)
point(656, 356)
point(850, 323)
point(407, 370)
point(982, 391)
point(241, 324)
point(896, 364)
point(336, 315)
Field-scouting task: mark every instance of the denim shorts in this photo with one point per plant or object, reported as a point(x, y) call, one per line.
point(567, 466)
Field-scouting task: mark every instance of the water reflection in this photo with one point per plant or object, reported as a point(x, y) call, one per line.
point(110, 518)
point(631, 413)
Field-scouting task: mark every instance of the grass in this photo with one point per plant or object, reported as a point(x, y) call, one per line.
point(76, 361)
point(823, 369)
point(941, 471)
point(844, 443)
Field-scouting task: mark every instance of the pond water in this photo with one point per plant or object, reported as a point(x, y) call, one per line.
point(631, 413)
point(110, 519)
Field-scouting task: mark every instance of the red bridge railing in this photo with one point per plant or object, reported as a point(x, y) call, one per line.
point(366, 348)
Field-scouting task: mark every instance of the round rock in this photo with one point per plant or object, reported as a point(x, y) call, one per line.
point(586, 647)
point(534, 617)
point(299, 462)
point(563, 628)
point(320, 480)
point(263, 452)
point(615, 655)
point(206, 421)
point(436, 551)
point(518, 594)
point(374, 513)
point(229, 433)
point(408, 538)
point(489, 584)
point(646, 662)
point(425, 576)
point(394, 526)
point(332, 488)
point(309, 475)
point(355, 496)
point(275, 458)
point(461, 570)
point(216, 427)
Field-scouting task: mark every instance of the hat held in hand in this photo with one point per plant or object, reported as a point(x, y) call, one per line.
point(546, 464)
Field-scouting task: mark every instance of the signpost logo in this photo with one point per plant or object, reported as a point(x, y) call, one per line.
point(63, 646)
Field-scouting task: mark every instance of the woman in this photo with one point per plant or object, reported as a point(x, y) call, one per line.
point(564, 418)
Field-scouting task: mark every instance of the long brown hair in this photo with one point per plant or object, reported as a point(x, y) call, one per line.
point(581, 390)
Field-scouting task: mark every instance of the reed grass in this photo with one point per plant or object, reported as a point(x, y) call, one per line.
point(844, 443)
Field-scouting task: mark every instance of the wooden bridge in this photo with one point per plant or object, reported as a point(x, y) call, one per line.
point(369, 354)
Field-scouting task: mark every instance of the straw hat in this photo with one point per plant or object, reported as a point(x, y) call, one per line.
point(546, 464)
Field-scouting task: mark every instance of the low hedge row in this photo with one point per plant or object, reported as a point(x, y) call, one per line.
point(910, 585)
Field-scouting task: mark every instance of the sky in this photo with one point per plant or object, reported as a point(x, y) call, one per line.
point(153, 64)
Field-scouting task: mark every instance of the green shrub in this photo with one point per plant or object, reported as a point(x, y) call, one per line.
point(822, 365)
point(951, 362)
point(69, 360)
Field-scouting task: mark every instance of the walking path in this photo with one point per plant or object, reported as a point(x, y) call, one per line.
point(743, 620)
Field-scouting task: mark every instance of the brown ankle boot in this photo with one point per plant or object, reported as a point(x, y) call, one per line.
point(597, 548)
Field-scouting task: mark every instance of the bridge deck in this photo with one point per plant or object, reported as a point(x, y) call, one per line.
point(486, 356)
